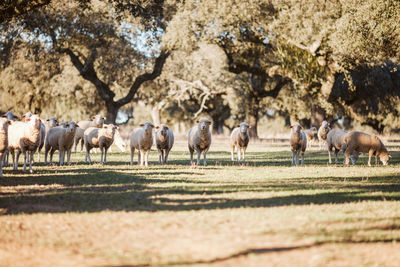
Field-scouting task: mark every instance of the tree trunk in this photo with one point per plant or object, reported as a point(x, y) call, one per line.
point(112, 111)
point(217, 125)
point(155, 115)
point(317, 116)
point(253, 119)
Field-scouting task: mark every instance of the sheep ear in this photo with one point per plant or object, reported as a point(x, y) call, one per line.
point(250, 127)
point(209, 122)
point(197, 121)
point(48, 120)
point(157, 127)
point(141, 125)
point(105, 126)
point(11, 122)
point(4, 116)
point(27, 119)
point(390, 156)
point(329, 124)
point(116, 127)
point(94, 117)
point(238, 126)
point(291, 126)
point(76, 126)
point(23, 116)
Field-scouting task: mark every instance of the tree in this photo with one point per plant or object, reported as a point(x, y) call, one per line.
point(99, 47)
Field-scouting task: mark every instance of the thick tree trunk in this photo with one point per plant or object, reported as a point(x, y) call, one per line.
point(155, 115)
point(317, 116)
point(253, 119)
point(217, 125)
point(112, 111)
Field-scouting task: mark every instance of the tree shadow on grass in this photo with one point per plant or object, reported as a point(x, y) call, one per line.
point(92, 190)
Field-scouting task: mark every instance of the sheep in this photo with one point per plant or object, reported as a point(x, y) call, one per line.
point(61, 139)
point(101, 138)
point(335, 139)
point(310, 134)
point(323, 132)
point(199, 139)
point(298, 143)
point(11, 117)
point(142, 140)
point(97, 121)
point(42, 133)
point(363, 142)
point(4, 122)
point(50, 123)
point(240, 139)
point(164, 142)
point(25, 137)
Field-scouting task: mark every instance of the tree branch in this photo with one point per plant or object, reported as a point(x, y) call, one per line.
point(158, 66)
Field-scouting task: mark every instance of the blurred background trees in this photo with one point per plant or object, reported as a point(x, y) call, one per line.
point(230, 60)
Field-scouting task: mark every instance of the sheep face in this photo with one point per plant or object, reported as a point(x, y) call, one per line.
point(296, 128)
point(33, 120)
point(385, 159)
point(4, 122)
point(99, 120)
point(52, 122)
point(27, 115)
point(163, 131)
point(11, 116)
point(71, 126)
point(204, 124)
point(148, 128)
point(243, 128)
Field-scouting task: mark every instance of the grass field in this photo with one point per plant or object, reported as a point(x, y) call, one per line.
point(264, 213)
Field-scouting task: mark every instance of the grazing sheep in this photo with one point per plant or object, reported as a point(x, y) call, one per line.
point(310, 134)
point(199, 139)
point(164, 142)
point(61, 139)
point(142, 140)
point(4, 122)
point(335, 139)
point(97, 121)
point(322, 133)
point(362, 142)
point(25, 137)
point(240, 139)
point(298, 143)
point(102, 138)
point(11, 117)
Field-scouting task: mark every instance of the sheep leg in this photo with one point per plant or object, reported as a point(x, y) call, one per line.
point(238, 154)
point(329, 154)
point(347, 154)
point(75, 143)
point(376, 159)
point(191, 156)
point(13, 159)
point(166, 156)
point(244, 158)
point(198, 157)
point(32, 153)
point(51, 155)
point(297, 157)
point(162, 156)
point(69, 156)
point(147, 152)
point(369, 157)
point(138, 161)
point(232, 152)
point(293, 156)
point(159, 156)
point(60, 156)
point(302, 157)
point(101, 155)
point(25, 160)
point(132, 154)
point(88, 156)
point(142, 157)
point(81, 144)
point(336, 156)
point(105, 155)
point(205, 158)
point(46, 152)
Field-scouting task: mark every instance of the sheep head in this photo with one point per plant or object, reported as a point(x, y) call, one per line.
point(204, 124)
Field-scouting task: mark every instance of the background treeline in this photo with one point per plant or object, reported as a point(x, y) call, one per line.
point(231, 60)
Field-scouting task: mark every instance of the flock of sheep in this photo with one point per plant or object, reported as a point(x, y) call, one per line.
point(32, 134)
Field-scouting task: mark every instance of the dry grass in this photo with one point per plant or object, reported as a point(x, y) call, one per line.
point(264, 213)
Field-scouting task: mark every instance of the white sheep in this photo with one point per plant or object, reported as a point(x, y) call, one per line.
point(61, 139)
point(298, 143)
point(42, 133)
point(102, 138)
point(25, 137)
point(97, 121)
point(310, 134)
point(366, 143)
point(199, 139)
point(240, 139)
point(164, 142)
point(142, 140)
point(50, 123)
point(335, 139)
point(4, 122)
point(322, 133)
point(11, 117)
